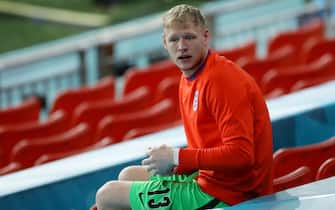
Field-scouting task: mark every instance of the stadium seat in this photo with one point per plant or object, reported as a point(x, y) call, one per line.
point(69, 99)
point(10, 168)
point(150, 76)
point(93, 112)
point(299, 39)
point(258, 67)
point(94, 207)
point(324, 46)
point(299, 176)
point(327, 169)
point(27, 151)
point(310, 82)
point(26, 111)
point(313, 155)
point(116, 126)
point(57, 122)
point(45, 158)
point(240, 53)
point(136, 132)
point(285, 77)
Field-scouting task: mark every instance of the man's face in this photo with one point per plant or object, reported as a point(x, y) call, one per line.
point(187, 45)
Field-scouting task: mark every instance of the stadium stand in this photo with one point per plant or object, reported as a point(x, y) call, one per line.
point(148, 82)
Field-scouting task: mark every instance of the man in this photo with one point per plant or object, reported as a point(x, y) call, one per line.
point(228, 158)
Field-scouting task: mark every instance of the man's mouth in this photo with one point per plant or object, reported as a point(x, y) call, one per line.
point(184, 57)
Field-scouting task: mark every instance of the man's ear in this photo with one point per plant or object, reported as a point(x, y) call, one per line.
point(164, 41)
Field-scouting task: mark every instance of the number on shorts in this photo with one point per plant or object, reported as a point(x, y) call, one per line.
point(155, 204)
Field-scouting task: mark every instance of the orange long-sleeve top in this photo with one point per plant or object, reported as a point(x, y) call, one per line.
point(228, 130)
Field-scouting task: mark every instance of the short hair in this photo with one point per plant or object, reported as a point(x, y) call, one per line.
point(181, 14)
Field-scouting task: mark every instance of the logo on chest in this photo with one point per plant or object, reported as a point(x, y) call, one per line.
point(195, 100)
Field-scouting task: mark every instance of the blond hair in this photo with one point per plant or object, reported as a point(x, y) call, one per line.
point(182, 14)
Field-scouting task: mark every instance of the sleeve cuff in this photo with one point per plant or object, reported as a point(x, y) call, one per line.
point(176, 156)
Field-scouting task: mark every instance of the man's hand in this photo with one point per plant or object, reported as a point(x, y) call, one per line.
point(160, 160)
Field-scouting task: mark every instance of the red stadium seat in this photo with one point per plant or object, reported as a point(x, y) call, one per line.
point(324, 46)
point(310, 82)
point(240, 53)
point(284, 78)
point(300, 176)
point(150, 76)
point(45, 158)
point(94, 207)
point(327, 169)
point(93, 112)
point(58, 122)
point(68, 100)
point(27, 111)
point(288, 159)
point(136, 132)
point(10, 168)
point(258, 67)
point(299, 39)
point(116, 126)
point(27, 151)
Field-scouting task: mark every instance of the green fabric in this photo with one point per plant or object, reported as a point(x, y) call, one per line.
point(174, 192)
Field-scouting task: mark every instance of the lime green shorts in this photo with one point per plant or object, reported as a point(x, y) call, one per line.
point(171, 192)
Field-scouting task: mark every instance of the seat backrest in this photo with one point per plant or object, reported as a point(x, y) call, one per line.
point(150, 76)
point(69, 99)
point(258, 67)
point(299, 176)
point(137, 132)
point(245, 51)
point(93, 112)
point(327, 169)
point(45, 158)
point(26, 111)
point(286, 77)
point(313, 155)
point(324, 46)
point(28, 150)
point(116, 126)
point(58, 122)
point(298, 39)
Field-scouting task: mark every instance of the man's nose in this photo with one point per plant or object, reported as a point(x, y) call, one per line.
point(182, 45)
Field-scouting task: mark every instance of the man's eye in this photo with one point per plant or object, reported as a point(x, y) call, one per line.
point(173, 40)
point(189, 37)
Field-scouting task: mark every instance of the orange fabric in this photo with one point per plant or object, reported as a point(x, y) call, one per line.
point(228, 132)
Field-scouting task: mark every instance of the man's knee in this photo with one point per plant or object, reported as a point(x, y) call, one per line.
point(106, 194)
point(134, 173)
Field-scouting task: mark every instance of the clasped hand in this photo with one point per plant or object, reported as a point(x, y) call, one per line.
point(160, 160)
